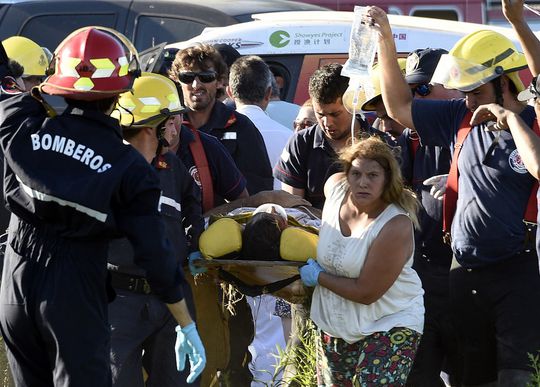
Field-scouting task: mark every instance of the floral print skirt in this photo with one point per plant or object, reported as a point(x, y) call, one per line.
point(380, 359)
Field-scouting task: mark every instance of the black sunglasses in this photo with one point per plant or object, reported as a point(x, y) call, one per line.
point(204, 76)
point(422, 90)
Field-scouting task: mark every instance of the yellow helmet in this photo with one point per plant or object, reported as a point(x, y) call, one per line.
point(154, 98)
point(375, 95)
point(478, 58)
point(28, 54)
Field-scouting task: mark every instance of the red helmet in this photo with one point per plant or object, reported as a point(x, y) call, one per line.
point(91, 64)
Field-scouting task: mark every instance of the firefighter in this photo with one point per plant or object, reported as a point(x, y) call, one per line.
point(72, 184)
point(137, 335)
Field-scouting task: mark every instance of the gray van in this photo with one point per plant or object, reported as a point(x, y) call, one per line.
point(145, 22)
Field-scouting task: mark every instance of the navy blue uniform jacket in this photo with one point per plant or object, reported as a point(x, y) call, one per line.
point(180, 207)
point(73, 184)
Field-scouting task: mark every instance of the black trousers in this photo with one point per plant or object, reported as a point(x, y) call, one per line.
point(438, 349)
point(53, 317)
point(495, 309)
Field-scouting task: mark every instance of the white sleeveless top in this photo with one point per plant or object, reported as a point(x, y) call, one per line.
point(401, 306)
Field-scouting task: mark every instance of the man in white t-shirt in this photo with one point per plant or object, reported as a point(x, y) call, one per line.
point(250, 88)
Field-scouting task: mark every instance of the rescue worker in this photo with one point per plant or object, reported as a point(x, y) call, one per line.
point(142, 328)
point(201, 71)
point(72, 184)
point(494, 274)
point(31, 56)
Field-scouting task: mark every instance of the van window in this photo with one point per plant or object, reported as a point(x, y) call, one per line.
point(50, 30)
point(153, 30)
point(446, 14)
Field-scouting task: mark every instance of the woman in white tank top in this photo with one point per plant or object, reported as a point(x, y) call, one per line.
point(367, 302)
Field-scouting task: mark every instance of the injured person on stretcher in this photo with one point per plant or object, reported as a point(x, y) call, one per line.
point(255, 240)
point(259, 249)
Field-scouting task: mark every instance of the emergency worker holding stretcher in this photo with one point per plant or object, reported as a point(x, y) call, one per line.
point(72, 184)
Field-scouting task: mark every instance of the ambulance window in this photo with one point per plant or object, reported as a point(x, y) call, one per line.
point(153, 30)
point(283, 78)
point(446, 14)
point(50, 30)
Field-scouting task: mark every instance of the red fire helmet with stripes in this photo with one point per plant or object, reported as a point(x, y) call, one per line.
point(91, 63)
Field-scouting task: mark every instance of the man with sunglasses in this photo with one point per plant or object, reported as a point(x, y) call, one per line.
point(494, 281)
point(200, 70)
point(432, 256)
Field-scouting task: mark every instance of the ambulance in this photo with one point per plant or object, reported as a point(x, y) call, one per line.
point(295, 44)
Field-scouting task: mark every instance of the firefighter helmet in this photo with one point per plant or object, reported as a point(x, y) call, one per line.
point(374, 95)
point(28, 54)
point(479, 58)
point(153, 99)
point(91, 64)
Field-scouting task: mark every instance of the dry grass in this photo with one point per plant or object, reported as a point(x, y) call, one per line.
point(4, 368)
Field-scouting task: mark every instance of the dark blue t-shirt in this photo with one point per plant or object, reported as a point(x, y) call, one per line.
point(308, 160)
point(494, 185)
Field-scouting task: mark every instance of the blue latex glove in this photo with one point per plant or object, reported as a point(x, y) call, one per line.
point(310, 273)
point(192, 257)
point(188, 343)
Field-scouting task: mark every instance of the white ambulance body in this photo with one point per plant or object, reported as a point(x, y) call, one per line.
point(295, 44)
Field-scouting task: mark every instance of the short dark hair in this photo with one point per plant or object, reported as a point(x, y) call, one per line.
point(202, 56)
point(16, 69)
point(261, 238)
point(249, 79)
point(327, 84)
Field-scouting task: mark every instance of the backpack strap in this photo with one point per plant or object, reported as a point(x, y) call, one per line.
point(413, 146)
point(414, 142)
point(451, 194)
point(201, 162)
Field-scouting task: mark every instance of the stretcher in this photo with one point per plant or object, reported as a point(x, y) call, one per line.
point(280, 278)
